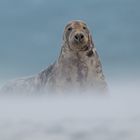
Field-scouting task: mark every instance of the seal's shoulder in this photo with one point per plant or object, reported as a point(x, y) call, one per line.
point(44, 74)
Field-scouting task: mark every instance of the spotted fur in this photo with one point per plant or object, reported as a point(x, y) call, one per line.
point(78, 68)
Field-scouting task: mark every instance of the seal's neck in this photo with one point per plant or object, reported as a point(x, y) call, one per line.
point(68, 54)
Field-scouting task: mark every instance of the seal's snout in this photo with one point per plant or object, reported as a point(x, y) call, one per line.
point(79, 37)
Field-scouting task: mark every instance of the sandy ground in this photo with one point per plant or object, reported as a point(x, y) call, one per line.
point(111, 117)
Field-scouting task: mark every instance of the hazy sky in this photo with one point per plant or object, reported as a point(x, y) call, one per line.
point(31, 33)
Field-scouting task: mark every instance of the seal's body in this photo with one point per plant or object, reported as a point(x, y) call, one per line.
point(78, 67)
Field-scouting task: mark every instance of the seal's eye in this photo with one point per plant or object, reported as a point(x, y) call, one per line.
point(70, 28)
point(84, 28)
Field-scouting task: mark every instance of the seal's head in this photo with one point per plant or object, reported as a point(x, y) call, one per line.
point(77, 36)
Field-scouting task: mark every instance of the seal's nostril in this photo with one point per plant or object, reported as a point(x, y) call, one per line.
point(82, 36)
point(76, 37)
point(79, 37)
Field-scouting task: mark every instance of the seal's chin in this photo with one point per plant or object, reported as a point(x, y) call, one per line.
point(80, 47)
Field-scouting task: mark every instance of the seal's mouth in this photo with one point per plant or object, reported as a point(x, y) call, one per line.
point(81, 46)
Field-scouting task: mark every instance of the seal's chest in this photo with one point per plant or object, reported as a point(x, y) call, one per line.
point(77, 72)
point(73, 74)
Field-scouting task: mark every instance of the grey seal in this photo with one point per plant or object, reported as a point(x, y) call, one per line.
point(77, 69)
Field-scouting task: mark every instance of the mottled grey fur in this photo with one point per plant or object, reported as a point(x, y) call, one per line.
point(74, 71)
